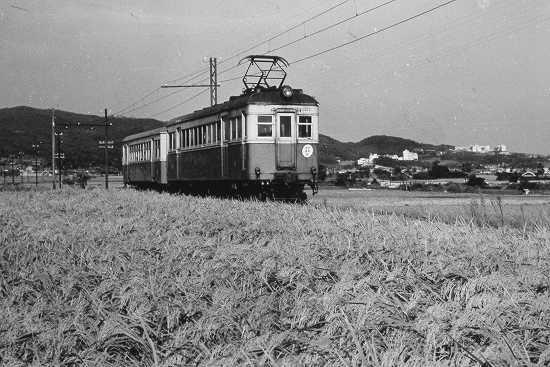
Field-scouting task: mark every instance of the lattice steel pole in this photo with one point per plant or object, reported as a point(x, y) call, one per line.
point(213, 81)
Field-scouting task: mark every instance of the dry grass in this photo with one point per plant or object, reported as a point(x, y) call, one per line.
point(133, 278)
point(517, 211)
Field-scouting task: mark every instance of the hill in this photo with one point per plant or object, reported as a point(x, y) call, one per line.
point(331, 149)
point(24, 126)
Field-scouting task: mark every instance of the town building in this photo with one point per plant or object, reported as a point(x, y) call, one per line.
point(409, 156)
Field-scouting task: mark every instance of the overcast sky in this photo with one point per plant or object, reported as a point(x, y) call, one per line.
point(475, 71)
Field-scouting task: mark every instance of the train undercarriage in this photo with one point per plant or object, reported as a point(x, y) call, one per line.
point(263, 190)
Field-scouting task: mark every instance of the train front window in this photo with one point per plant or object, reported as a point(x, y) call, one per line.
point(304, 127)
point(285, 129)
point(265, 126)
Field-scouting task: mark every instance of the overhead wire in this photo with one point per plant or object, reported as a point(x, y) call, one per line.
point(225, 59)
point(502, 31)
point(191, 76)
point(180, 103)
point(306, 36)
point(155, 100)
point(285, 31)
point(418, 15)
point(197, 73)
point(137, 101)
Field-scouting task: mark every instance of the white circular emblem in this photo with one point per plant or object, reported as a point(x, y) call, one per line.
point(307, 150)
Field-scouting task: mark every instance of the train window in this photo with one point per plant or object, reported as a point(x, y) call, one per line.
point(219, 130)
point(285, 123)
point(304, 127)
point(239, 127)
point(233, 129)
point(227, 129)
point(172, 141)
point(265, 126)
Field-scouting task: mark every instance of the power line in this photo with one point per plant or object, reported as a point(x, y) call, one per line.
point(418, 15)
point(225, 59)
point(155, 101)
point(332, 26)
point(285, 31)
point(137, 101)
point(180, 103)
point(191, 76)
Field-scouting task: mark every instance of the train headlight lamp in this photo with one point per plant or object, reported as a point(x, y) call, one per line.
point(287, 91)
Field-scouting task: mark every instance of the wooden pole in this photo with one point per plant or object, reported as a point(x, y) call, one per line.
point(53, 148)
point(106, 150)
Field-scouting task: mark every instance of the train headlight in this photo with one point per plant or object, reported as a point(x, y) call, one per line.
point(287, 91)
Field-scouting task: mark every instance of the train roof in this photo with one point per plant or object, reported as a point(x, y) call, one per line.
point(144, 134)
point(264, 96)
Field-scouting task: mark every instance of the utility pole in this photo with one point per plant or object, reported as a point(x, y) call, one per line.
point(22, 162)
point(213, 85)
point(106, 145)
point(213, 81)
point(53, 148)
point(12, 170)
point(59, 155)
point(106, 150)
point(35, 148)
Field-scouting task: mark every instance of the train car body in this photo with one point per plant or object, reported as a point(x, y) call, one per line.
point(262, 143)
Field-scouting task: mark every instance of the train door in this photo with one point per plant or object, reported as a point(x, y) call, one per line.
point(286, 141)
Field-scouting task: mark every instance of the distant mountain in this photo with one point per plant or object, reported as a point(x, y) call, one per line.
point(331, 149)
point(21, 127)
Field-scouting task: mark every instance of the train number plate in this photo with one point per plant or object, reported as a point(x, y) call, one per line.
point(307, 150)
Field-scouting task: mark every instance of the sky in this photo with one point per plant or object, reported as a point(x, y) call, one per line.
point(471, 72)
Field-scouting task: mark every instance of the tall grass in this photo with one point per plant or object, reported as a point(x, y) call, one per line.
point(480, 210)
point(136, 278)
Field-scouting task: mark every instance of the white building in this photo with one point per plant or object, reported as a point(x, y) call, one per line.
point(409, 156)
point(501, 148)
point(362, 162)
point(481, 148)
point(372, 157)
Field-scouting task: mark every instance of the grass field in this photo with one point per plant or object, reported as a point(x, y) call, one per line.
point(90, 277)
point(519, 211)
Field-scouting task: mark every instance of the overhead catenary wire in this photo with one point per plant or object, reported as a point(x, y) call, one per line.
point(284, 32)
point(180, 103)
point(271, 38)
point(418, 15)
point(137, 101)
point(306, 36)
point(198, 73)
point(194, 75)
point(155, 101)
point(238, 77)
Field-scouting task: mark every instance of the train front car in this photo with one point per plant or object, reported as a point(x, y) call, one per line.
point(282, 143)
point(284, 131)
